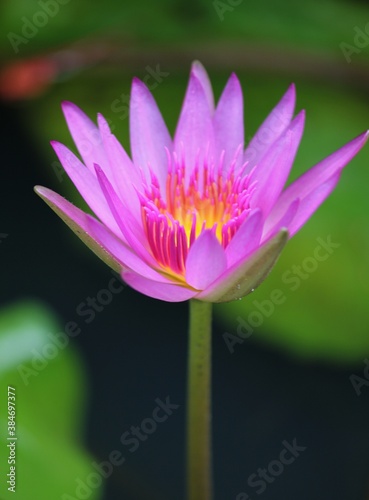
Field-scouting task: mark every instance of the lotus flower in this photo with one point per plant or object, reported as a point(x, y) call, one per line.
point(197, 216)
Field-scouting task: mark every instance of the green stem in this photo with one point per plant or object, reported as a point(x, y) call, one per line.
point(199, 402)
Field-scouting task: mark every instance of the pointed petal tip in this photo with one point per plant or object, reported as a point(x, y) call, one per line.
point(365, 135)
point(44, 192)
point(290, 95)
point(139, 90)
point(196, 64)
point(67, 106)
point(194, 74)
point(103, 124)
point(58, 147)
point(99, 171)
point(299, 119)
point(234, 82)
point(358, 142)
point(38, 189)
point(138, 86)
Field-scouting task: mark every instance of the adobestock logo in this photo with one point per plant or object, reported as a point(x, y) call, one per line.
point(58, 341)
point(359, 382)
point(267, 475)
point(222, 7)
point(152, 78)
point(131, 440)
point(360, 40)
point(293, 278)
point(30, 27)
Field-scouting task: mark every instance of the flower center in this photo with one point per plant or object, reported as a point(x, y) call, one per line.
point(208, 200)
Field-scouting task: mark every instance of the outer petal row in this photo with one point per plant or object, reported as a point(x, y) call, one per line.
point(98, 238)
point(312, 188)
point(86, 136)
point(87, 185)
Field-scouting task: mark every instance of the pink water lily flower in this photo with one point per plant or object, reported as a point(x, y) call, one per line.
point(196, 216)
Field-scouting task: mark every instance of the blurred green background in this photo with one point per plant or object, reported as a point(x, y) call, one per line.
point(88, 52)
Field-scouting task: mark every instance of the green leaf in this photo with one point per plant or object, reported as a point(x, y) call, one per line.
point(37, 360)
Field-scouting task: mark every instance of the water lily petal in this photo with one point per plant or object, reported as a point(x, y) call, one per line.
point(206, 260)
point(121, 252)
point(311, 202)
point(320, 174)
point(128, 225)
point(161, 291)
point(87, 185)
point(228, 123)
point(273, 225)
point(203, 77)
point(246, 239)
point(124, 172)
point(194, 137)
point(271, 174)
point(77, 221)
point(148, 132)
point(86, 136)
point(273, 126)
point(247, 274)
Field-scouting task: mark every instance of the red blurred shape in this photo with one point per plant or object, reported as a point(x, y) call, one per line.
point(27, 78)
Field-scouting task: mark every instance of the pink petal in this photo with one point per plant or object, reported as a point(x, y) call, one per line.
point(322, 173)
point(87, 185)
point(86, 136)
point(228, 123)
point(274, 125)
point(125, 175)
point(128, 225)
point(272, 172)
point(206, 260)
point(271, 226)
point(194, 134)
point(120, 252)
point(246, 239)
point(244, 276)
point(77, 221)
point(161, 291)
point(203, 78)
point(311, 202)
point(148, 132)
